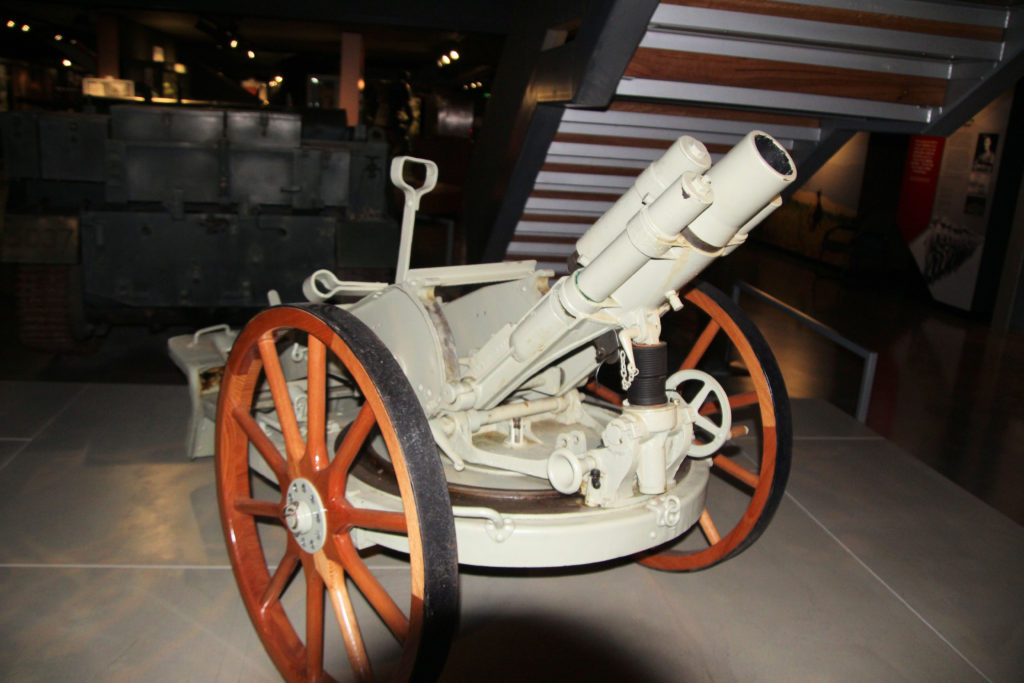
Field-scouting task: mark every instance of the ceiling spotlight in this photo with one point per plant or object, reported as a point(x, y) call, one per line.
point(58, 37)
point(26, 28)
point(233, 43)
point(446, 59)
point(314, 80)
point(250, 54)
point(440, 63)
point(454, 54)
point(278, 79)
point(66, 62)
point(361, 84)
point(11, 23)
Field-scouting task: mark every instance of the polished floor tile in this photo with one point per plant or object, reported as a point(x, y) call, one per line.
point(108, 481)
point(955, 561)
point(819, 419)
point(106, 423)
point(947, 388)
point(9, 448)
point(27, 407)
point(112, 567)
point(795, 606)
point(102, 624)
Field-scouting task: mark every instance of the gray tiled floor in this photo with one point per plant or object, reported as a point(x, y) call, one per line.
point(27, 407)
point(112, 567)
point(947, 387)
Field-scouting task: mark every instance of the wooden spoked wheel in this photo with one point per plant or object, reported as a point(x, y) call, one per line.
point(712, 334)
point(305, 387)
point(716, 336)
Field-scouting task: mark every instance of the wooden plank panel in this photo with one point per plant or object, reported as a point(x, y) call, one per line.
point(628, 142)
point(811, 79)
point(609, 140)
point(553, 257)
point(556, 218)
point(667, 109)
point(591, 170)
point(586, 196)
point(835, 15)
point(552, 261)
point(553, 239)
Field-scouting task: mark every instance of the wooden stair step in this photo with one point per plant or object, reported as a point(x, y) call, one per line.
point(761, 74)
point(836, 15)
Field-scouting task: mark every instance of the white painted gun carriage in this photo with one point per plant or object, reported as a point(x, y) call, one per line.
point(454, 417)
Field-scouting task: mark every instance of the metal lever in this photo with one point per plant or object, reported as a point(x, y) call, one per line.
point(412, 205)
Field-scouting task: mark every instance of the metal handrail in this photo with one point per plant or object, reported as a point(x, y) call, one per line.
point(867, 378)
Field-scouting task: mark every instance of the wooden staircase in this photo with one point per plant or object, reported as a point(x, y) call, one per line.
point(810, 72)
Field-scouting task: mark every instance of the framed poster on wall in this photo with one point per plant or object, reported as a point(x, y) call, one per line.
point(948, 248)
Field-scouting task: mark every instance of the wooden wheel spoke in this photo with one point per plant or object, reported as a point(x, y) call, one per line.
point(738, 431)
point(258, 508)
point(377, 520)
point(334, 578)
point(348, 450)
point(282, 574)
point(282, 399)
point(604, 392)
point(371, 588)
point(262, 442)
point(709, 408)
point(314, 625)
point(737, 471)
point(735, 401)
point(701, 346)
point(297, 452)
point(708, 527)
point(316, 403)
point(769, 417)
point(741, 400)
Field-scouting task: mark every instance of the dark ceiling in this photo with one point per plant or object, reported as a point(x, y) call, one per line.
point(398, 35)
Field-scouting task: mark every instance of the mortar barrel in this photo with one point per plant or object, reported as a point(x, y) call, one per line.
point(685, 154)
point(746, 183)
point(768, 210)
point(745, 180)
point(648, 234)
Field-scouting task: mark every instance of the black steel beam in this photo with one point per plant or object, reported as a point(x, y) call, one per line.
point(602, 36)
point(493, 16)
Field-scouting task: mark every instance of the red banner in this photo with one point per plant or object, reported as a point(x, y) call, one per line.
point(920, 178)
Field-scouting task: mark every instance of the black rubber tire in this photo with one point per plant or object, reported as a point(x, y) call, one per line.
point(424, 483)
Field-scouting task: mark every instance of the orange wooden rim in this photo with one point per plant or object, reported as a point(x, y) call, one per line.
point(260, 589)
point(721, 546)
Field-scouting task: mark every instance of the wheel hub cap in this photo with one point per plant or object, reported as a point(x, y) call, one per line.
point(304, 515)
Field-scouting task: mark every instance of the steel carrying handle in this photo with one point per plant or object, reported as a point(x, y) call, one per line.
point(412, 205)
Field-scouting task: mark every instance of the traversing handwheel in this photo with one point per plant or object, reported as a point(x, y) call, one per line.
point(713, 335)
point(757, 458)
point(305, 389)
point(714, 433)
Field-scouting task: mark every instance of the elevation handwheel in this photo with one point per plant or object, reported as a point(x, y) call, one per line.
point(753, 466)
point(712, 336)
